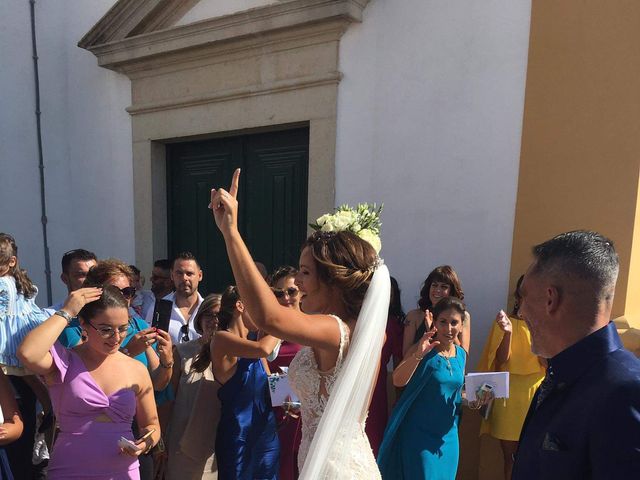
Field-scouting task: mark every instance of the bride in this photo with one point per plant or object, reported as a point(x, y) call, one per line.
point(342, 283)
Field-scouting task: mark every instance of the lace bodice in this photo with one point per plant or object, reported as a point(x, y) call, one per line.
point(313, 388)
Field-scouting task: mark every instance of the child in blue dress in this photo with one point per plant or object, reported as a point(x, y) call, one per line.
point(19, 313)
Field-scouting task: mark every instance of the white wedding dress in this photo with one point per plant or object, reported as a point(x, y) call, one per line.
point(350, 456)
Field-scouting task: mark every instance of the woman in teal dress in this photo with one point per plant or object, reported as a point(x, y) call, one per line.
point(421, 439)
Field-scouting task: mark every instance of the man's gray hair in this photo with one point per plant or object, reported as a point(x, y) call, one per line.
point(583, 255)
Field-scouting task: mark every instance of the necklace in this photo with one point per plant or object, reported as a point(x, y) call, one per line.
point(447, 358)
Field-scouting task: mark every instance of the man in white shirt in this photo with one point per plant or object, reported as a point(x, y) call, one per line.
point(186, 275)
point(75, 266)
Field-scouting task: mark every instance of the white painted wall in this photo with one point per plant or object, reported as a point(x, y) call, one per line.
point(429, 122)
point(86, 140)
point(19, 187)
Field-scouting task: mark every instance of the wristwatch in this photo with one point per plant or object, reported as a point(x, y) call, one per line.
point(65, 315)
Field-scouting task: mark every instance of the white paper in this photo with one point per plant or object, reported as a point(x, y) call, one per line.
point(280, 390)
point(498, 380)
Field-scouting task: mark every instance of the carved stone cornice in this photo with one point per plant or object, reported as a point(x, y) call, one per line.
point(127, 18)
point(119, 46)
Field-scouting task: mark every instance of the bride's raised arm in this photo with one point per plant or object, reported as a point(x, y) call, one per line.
point(317, 331)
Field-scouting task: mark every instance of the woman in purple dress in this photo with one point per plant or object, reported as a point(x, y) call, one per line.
point(95, 389)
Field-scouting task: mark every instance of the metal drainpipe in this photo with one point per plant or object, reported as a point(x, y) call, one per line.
point(43, 200)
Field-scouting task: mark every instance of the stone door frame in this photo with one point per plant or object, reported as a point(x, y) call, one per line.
point(266, 68)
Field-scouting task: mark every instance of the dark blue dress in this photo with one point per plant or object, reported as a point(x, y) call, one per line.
point(247, 446)
point(5, 469)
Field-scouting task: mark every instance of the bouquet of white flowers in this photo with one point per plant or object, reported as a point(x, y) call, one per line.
point(364, 221)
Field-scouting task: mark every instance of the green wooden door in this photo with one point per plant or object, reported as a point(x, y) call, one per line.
point(273, 199)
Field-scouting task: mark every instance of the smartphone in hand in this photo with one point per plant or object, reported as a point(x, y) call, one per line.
point(162, 314)
point(132, 446)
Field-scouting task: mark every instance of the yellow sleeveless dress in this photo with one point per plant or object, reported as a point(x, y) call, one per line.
point(525, 375)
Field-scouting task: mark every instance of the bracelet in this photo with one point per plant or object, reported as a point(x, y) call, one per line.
point(417, 357)
point(168, 365)
point(65, 315)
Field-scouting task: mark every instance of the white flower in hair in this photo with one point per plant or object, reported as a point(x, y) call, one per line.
point(368, 236)
point(364, 221)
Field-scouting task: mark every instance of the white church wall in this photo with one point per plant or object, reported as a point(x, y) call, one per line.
point(20, 190)
point(429, 122)
point(86, 136)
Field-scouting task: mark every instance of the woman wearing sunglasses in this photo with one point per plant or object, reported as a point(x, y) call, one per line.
point(140, 337)
point(283, 285)
point(96, 390)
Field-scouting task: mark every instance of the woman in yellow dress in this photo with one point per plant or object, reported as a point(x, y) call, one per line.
point(508, 349)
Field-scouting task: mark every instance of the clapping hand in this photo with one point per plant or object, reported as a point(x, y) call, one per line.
point(503, 322)
point(224, 205)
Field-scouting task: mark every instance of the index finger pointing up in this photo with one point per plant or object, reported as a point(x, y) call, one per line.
point(234, 183)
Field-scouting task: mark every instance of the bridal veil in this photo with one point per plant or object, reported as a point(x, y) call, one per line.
point(348, 403)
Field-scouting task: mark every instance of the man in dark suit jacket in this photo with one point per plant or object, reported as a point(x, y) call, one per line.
point(584, 421)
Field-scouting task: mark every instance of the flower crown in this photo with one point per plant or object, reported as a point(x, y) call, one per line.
point(364, 221)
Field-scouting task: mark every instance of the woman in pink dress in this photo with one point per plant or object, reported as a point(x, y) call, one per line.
point(95, 389)
point(283, 284)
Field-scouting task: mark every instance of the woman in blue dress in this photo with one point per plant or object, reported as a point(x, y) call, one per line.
point(421, 439)
point(247, 446)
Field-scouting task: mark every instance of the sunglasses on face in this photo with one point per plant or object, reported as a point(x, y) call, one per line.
point(184, 331)
point(128, 292)
point(108, 332)
point(281, 292)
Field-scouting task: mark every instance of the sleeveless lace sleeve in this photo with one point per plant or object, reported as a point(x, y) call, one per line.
point(332, 374)
point(313, 386)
